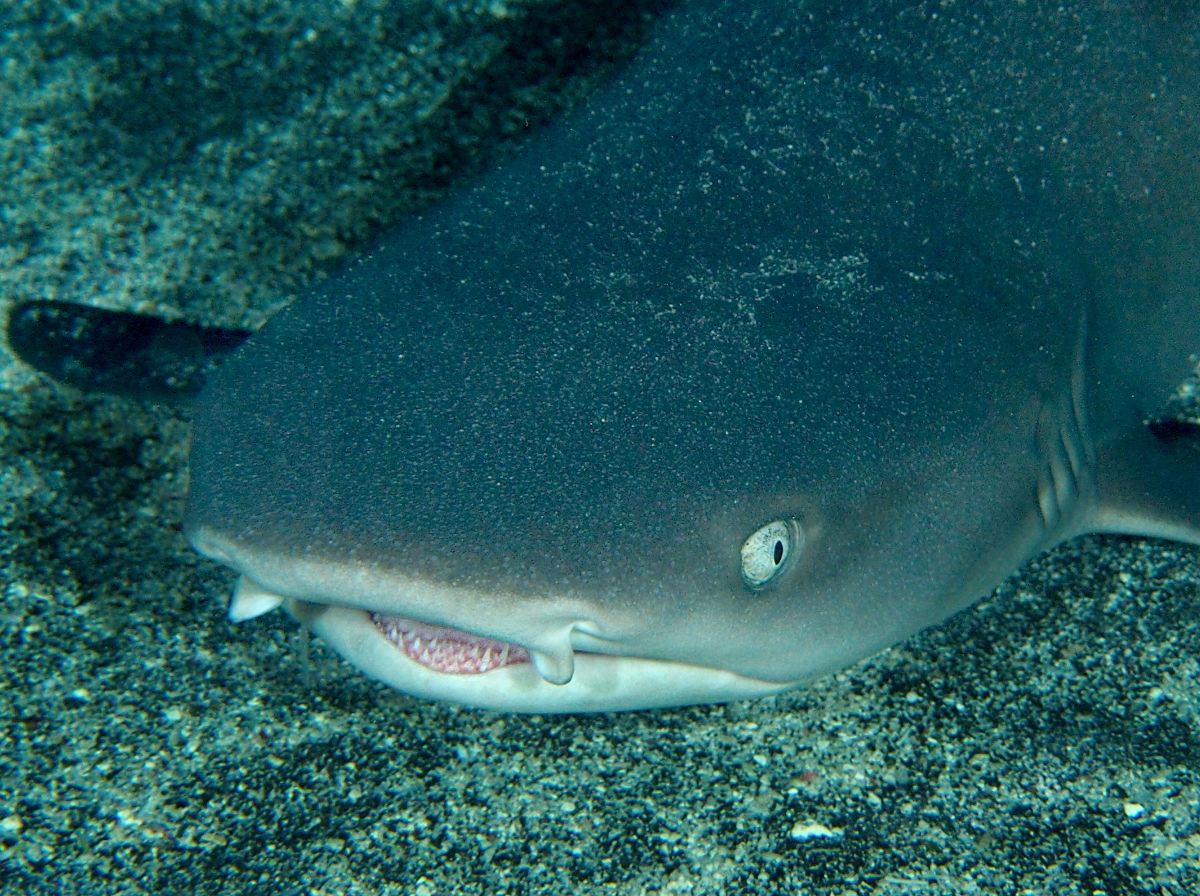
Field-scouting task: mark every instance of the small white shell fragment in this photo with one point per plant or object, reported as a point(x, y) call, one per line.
point(811, 830)
point(11, 824)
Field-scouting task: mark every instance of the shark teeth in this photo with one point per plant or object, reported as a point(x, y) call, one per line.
point(445, 649)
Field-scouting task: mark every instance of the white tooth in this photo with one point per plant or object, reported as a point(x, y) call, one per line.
point(555, 669)
point(250, 600)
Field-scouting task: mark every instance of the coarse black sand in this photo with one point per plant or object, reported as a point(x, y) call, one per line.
point(203, 160)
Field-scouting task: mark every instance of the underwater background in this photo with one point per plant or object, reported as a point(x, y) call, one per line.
point(203, 161)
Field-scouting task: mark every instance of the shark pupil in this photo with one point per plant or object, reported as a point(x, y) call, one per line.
point(778, 551)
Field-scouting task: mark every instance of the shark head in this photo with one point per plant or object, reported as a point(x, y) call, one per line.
point(676, 602)
point(711, 392)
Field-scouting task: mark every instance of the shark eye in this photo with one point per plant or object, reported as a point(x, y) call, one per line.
point(766, 552)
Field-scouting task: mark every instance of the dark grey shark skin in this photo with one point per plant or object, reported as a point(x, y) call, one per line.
point(906, 278)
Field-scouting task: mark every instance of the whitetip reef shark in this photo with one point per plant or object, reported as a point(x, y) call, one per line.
point(797, 337)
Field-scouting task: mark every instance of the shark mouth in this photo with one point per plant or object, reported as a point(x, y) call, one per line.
point(446, 663)
point(438, 648)
point(449, 650)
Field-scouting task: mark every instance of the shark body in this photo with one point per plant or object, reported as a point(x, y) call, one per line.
point(796, 338)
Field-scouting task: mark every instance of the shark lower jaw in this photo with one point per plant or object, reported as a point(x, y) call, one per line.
point(466, 669)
